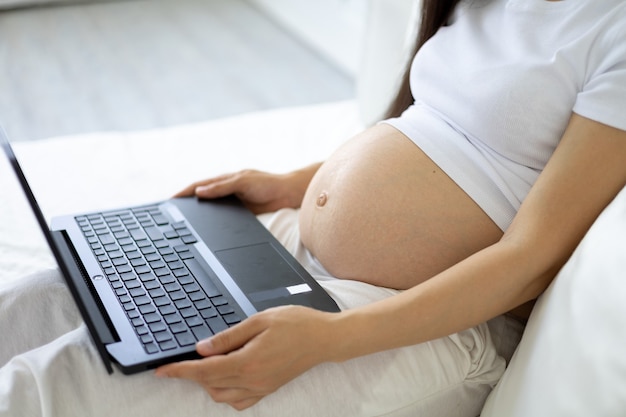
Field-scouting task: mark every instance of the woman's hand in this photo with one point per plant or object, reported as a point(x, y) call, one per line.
point(261, 192)
point(243, 364)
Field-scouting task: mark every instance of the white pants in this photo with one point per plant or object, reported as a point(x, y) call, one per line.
point(51, 368)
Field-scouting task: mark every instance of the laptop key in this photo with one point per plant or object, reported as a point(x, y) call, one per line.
point(151, 348)
point(184, 280)
point(231, 319)
point(138, 234)
point(199, 299)
point(188, 312)
point(119, 261)
point(123, 268)
point(189, 239)
point(161, 272)
point(136, 292)
point(170, 234)
point(178, 327)
point(157, 264)
point(150, 252)
point(147, 309)
point(145, 243)
point(178, 225)
point(154, 233)
point(161, 301)
point(201, 303)
point(133, 314)
point(142, 269)
point(202, 332)
point(224, 309)
point(133, 283)
point(172, 318)
point(167, 309)
point(156, 327)
point(168, 279)
point(207, 313)
point(217, 324)
point(172, 287)
point(152, 318)
point(149, 276)
point(166, 250)
point(111, 247)
point(106, 238)
point(191, 288)
point(182, 303)
point(157, 292)
point(219, 301)
point(177, 295)
point(162, 336)
point(172, 257)
point(185, 338)
point(125, 241)
point(168, 345)
point(186, 255)
point(142, 300)
point(127, 276)
point(160, 219)
point(194, 321)
point(180, 272)
point(119, 232)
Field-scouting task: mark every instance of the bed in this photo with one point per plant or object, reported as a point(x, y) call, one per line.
point(571, 359)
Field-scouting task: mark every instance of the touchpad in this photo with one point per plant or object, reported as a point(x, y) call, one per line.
point(259, 269)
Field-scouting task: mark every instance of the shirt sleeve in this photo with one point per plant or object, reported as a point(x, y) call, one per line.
point(603, 97)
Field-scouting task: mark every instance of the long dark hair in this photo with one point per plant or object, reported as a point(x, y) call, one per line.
point(435, 14)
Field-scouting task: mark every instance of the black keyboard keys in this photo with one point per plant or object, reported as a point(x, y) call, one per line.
point(170, 299)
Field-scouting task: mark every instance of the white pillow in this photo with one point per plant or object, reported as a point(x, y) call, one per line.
point(572, 358)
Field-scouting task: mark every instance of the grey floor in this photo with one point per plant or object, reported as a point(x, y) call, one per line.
point(136, 64)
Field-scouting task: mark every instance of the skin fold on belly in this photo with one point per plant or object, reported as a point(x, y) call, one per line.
point(380, 211)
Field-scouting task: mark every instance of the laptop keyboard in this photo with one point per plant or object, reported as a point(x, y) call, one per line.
point(154, 274)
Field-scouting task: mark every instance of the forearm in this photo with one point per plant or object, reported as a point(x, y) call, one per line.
point(487, 284)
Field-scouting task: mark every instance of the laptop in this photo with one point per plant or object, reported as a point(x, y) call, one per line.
point(150, 281)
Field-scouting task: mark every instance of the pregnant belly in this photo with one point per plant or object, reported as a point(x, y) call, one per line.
point(380, 211)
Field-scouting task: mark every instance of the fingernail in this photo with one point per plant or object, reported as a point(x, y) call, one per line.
point(205, 346)
point(201, 189)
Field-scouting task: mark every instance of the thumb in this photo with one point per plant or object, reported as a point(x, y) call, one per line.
point(227, 340)
point(215, 189)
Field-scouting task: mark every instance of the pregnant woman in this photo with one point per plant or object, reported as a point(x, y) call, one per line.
point(470, 197)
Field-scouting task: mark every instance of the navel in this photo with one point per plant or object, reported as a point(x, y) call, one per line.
point(322, 199)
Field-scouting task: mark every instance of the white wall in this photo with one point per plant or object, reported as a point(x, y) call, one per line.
point(335, 28)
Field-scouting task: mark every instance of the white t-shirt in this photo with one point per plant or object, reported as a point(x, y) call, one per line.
point(494, 90)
